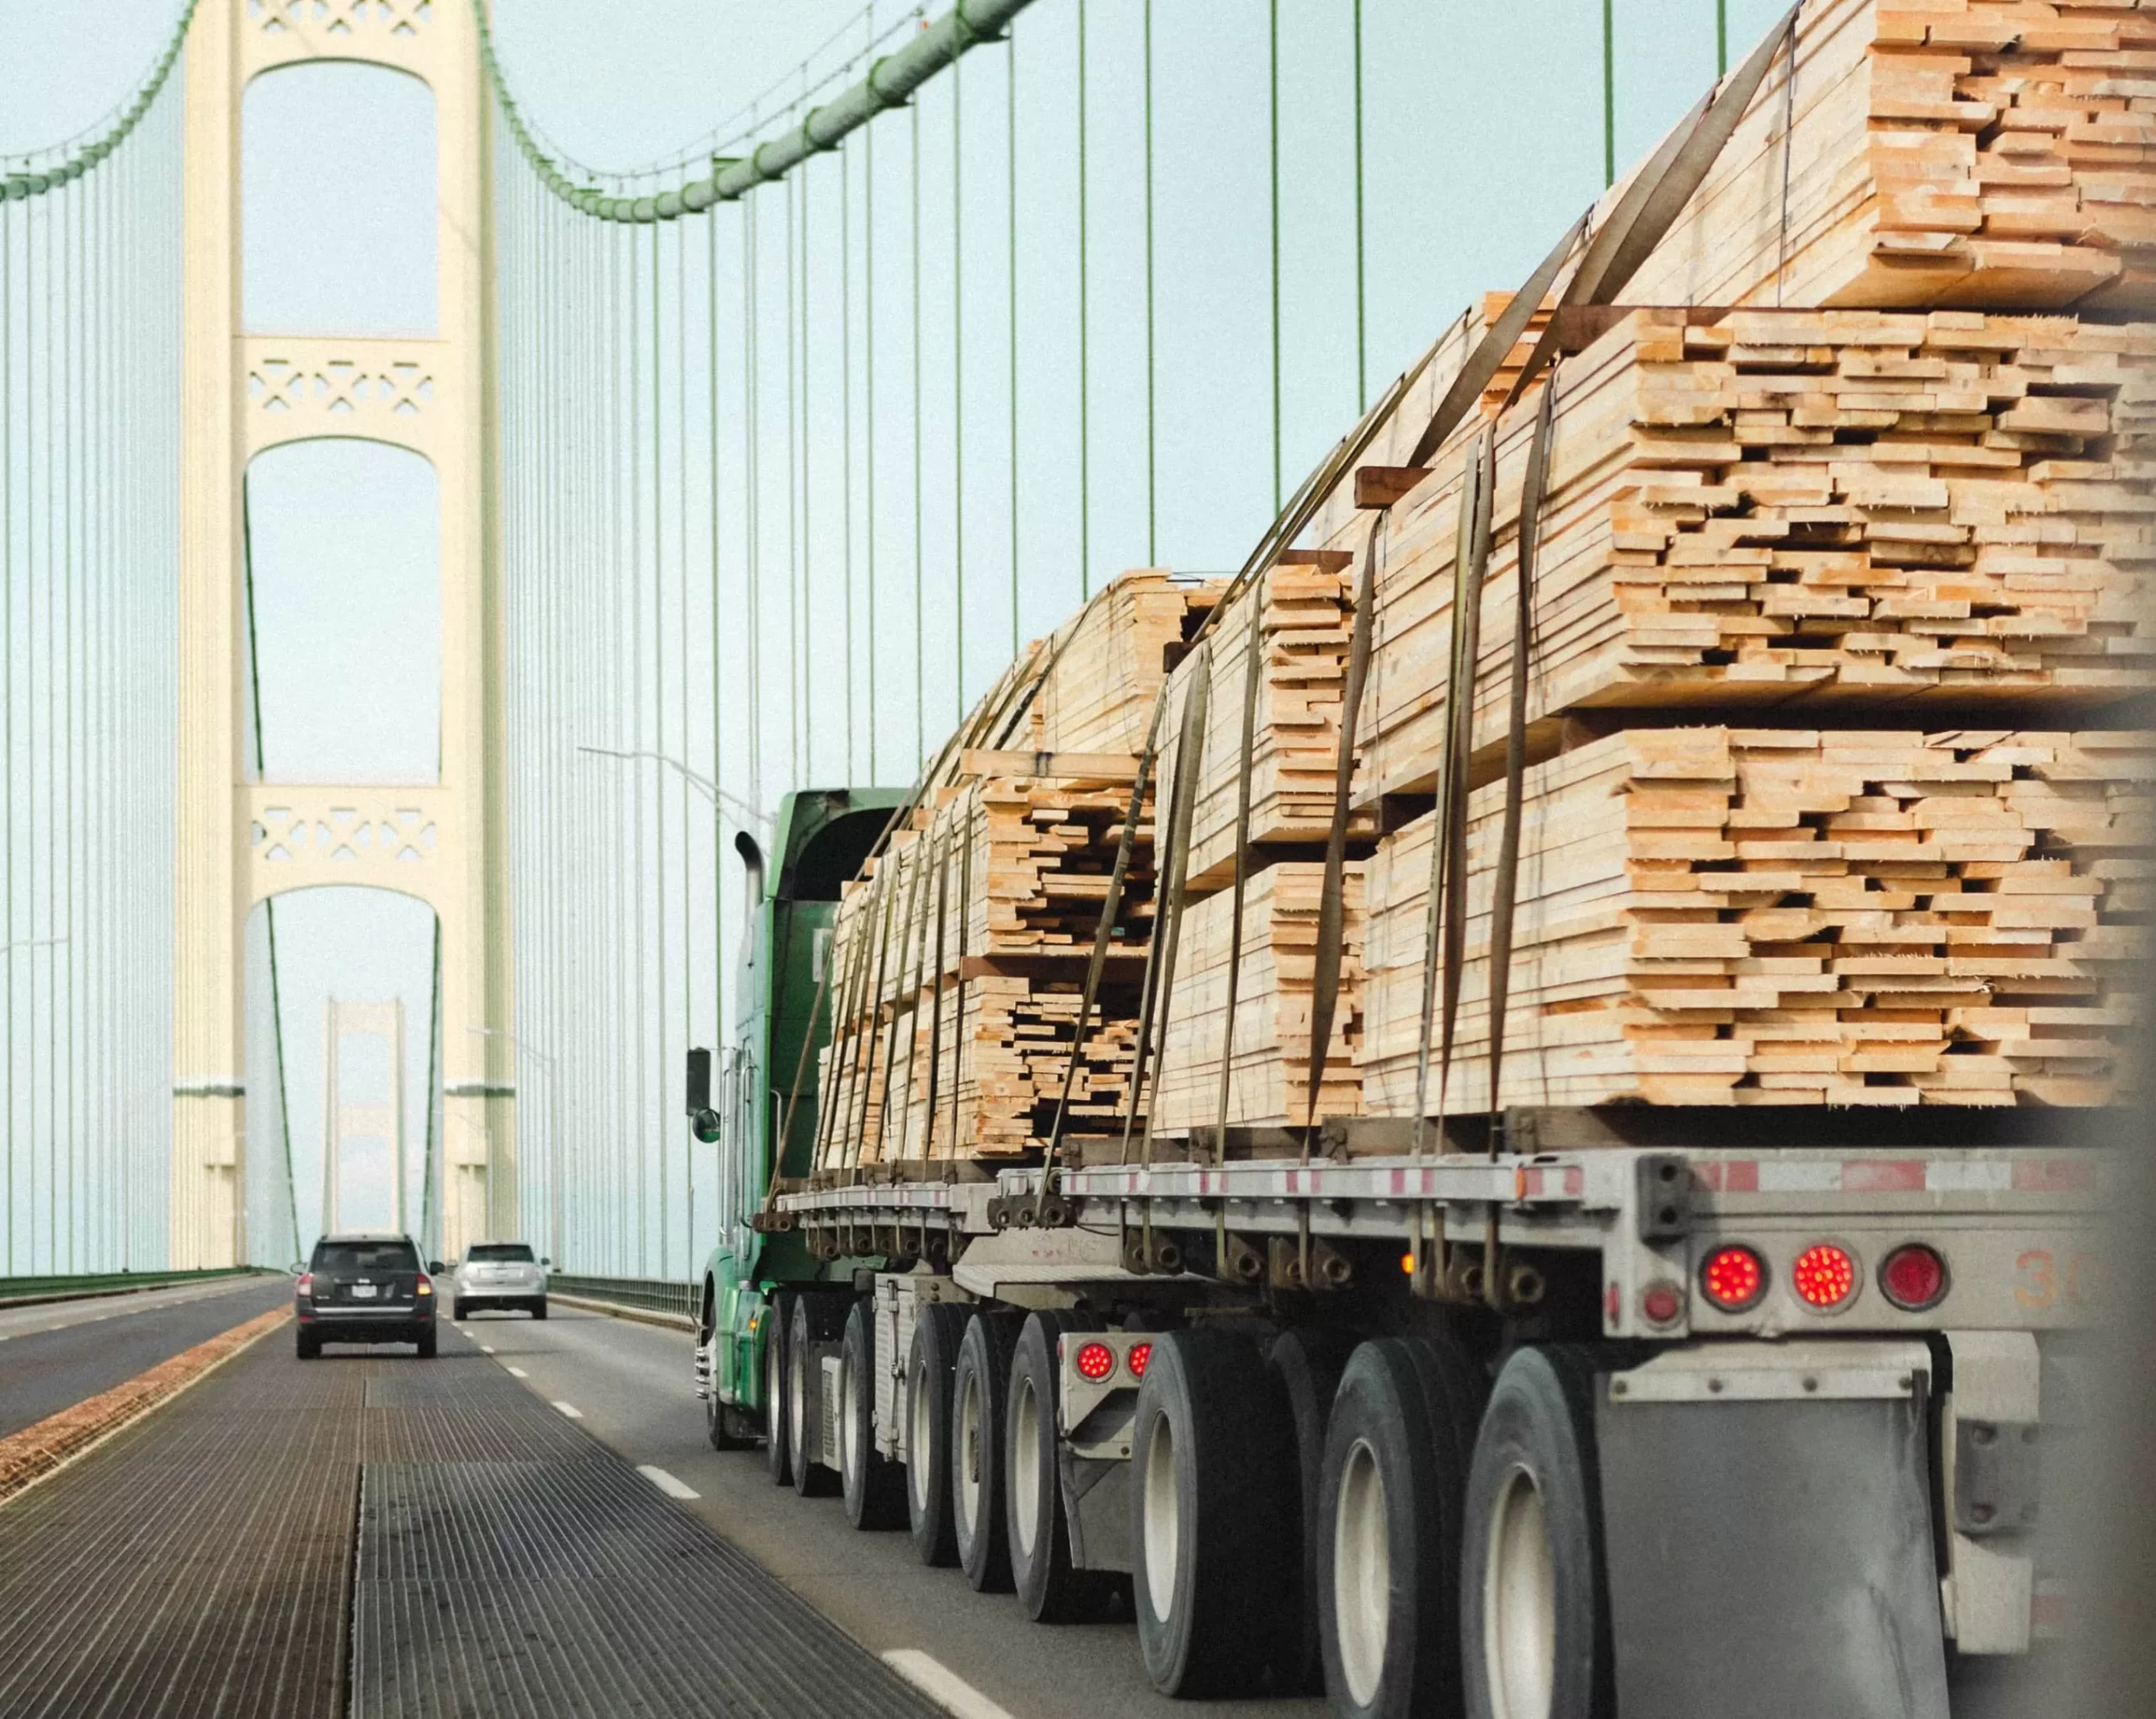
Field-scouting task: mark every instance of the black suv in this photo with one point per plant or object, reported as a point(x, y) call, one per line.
point(366, 1289)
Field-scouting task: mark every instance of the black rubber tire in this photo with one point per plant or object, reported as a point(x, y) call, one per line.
point(981, 1383)
point(309, 1346)
point(1395, 1467)
point(816, 1319)
point(872, 1485)
point(1213, 1534)
point(939, 1328)
point(1050, 1588)
point(539, 1308)
point(456, 1312)
point(1539, 1430)
point(1306, 1362)
point(427, 1345)
point(775, 1321)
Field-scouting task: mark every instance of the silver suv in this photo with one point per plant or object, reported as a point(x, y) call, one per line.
point(499, 1274)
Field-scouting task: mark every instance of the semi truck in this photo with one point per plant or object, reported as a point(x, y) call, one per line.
point(1565, 1411)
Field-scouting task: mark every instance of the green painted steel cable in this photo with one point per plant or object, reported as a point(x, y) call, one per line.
point(1010, 229)
point(752, 513)
point(792, 511)
point(1084, 365)
point(427, 1213)
point(1152, 450)
point(919, 729)
point(846, 417)
point(113, 130)
point(1608, 92)
point(804, 615)
point(1272, 153)
point(718, 679)
point(957, 402)
point(1721, 37)
point(868, 292)
point(659, 737)
point(1362, 258)
point(8, 704)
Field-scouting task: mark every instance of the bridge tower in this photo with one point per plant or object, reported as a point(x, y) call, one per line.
point(239, 843)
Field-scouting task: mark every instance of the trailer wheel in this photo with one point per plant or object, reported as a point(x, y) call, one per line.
point(870, 1482)
point(1534, 1615)
point(939, 1330)
point(980, 1384)
point(816, 1318)
point(774, 1322)
point(1050, 1588)
point(1395, 1469)
point(1307, 1362)
point(1212, 1504)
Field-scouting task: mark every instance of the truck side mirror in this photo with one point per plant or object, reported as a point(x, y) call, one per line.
point(705, 1126)
point(699, 1082)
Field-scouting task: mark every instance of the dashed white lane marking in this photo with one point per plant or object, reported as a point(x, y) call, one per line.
point(486, 1348)
point(567, 1408)
point(666, 1483)
point(942, 1685)
point(519, 1372)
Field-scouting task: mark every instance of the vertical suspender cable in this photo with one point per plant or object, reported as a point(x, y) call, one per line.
point(792, 515)
point(1084, 368)
point(717, 678)
point(15, 1202)
point(1608, 93)
point(751, 508)
point(846, 418)
point(681, 690)
point(1721, 37)
point(804, 614)
point(1362, 260)
point(919, 729)
point(641, 947)
point(659, 745)
point(958, 401)
point(1272, 153)
point(1152, 450)
point(1011, 234)
point(868, 293)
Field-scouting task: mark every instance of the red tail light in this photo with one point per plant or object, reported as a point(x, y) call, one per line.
point(426, 1284)
point(1095, 1361)
point(306, 1284)
point(1136, 1360)
point(1824, 1275)
point(1912, 1277)
point(1733, 1277)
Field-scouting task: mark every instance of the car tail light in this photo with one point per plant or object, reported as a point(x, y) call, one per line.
point(1913, 1277)
point(1095, 1361)
point(426, 1284)
point(1136, 1360)
point(1824, 1275)
point(307, 1283)
point(1733, 1277)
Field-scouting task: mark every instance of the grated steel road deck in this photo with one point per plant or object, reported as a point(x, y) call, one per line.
point(372, 1534)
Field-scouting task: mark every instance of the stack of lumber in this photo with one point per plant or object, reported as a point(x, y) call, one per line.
point(1963, 153)
point(962, 950)
point(1305, 614)
point(1269, 1081)
point(1824, 512)
point(1099, 695)
point(1725, 915)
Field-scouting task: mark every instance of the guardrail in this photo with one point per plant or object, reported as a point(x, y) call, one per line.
point(652, 1295)
point(81, 1285)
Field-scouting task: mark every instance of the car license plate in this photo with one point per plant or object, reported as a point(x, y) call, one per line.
point(363, 1292)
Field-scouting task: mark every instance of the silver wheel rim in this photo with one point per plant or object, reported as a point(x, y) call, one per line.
point(1026, 1462)
point(1519, 1602)
point(850, 1432)
point(1163, 1505)
point(1362, 1574)
point(796, 1402)
point(969, 1454)
point(772, 1384)
point(917, 1437)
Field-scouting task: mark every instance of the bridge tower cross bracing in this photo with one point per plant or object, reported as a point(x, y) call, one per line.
point(238, 843)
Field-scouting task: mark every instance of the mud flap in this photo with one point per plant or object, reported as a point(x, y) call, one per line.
point(1768, 1533)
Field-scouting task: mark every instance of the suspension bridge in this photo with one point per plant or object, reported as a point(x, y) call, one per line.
point(437, 634)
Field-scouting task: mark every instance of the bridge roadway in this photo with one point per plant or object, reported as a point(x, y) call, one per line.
point(376, 1535)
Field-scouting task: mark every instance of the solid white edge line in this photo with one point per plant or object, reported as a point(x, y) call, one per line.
point(666, 1483)
point(567, 1408)
point(518, 1373)
point(942, 1685)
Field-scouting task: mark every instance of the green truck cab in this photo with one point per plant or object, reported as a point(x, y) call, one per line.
point(820, 840)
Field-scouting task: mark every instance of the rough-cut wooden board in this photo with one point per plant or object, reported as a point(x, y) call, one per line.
point(1782, 916)
point(1270, 1083)
point(1305, 615)
point(1811, 511)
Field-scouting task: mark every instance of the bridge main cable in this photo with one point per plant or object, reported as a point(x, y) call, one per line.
point(891, 80)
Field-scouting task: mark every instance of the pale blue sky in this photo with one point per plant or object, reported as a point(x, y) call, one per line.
point(1483, 136)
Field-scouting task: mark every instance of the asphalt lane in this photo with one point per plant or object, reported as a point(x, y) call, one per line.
point(630, 1385)
point(54, 1354)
